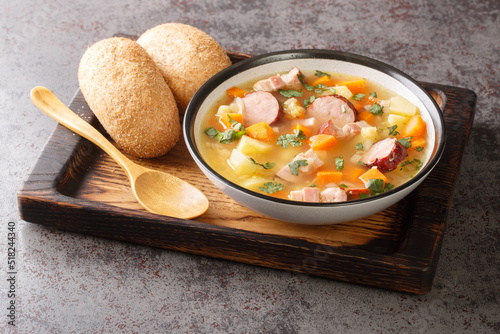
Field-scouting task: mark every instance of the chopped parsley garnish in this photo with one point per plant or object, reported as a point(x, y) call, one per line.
point(267, 165)
point(361, 195)
point(406, 142)
point(225, 137)
point(377, 187)
point(358, 96)
point(392, 130)
point(419, 148)
point(343, 108)
point(376, 109)
point(306, 86)
point(313, 186)
point(359, 146)
point(272, 187)
point(409, 162)
point(308, 101)
point(339, 163)
point(374, 94)
point(291, 93)
point(294, 139)
point(321, 74)
point(234, 133)
point(342, 185)
point(361, 163)
point(295, 165)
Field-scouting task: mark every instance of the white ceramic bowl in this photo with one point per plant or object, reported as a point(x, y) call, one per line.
point(328, 61)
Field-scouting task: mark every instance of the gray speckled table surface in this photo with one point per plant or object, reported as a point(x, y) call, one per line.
point(71, 283)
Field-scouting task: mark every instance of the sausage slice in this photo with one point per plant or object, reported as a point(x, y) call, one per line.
point(260, 106)
point(333, 107)
point(385, 154)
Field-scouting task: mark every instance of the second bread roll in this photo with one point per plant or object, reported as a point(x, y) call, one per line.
point(186, 56)
point(129, 96)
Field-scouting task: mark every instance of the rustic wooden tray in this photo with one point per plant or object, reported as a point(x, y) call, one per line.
point(74, 186)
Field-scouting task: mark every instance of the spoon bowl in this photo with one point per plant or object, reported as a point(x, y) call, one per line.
point(158, 192)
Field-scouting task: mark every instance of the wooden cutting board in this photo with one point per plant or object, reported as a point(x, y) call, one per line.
point(74, 186)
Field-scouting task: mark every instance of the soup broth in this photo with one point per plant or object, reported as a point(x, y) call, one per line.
point(314, 136)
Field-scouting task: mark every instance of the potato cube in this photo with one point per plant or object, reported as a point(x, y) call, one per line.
point(223, 110)
point(241, 163)
point(293, 109)
point(253, 147)
point(343, 91)
point(398, 120)
point(403, 107)
point(370, 133)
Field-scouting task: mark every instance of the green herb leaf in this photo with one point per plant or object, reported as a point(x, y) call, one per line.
point(267, 165)
point(392, 130)
point(211, 132)
point(339, 163)
point(321, 74)
point(406, 142)
point(376, 186)
point(343, 185)
point(225, 137)
point(294, 139)
point(358, 96)
point(417, 162)
point(361, 163)
point(306, 86)
point(376, 109)
point(374, 94)
point(388, 187)
point(313, 186)
point(419, 148)
point(235, 124)
point(272, 187)
point(294, 166)
point(359, 146)
point(291, 93)
point(361, 195)
point(308, 101)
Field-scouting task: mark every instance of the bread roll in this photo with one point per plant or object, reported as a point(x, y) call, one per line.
point(186, 56)
point(126, 91)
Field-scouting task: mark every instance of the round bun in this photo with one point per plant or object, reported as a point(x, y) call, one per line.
point(127, 93)
point(186, 56)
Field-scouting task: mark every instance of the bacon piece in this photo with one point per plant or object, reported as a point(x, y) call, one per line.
point(313, 163)
point(334, 194)
point(289, 80)
point(348, 131)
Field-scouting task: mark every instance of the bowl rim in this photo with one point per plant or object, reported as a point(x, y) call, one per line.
point(254, 61)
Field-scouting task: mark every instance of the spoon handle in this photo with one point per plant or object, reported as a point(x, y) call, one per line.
point(46, 101)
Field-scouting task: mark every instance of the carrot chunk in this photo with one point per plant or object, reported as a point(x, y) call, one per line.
point(224, 119)
point(415, 143)
point(416, 127)
point(373, 173)
point(355, 86)
point(322, 142)
point(324, 178)
point(261, 131)
point(366, 116)
point(353, 174)
point(325, 80)
point(305, 130)
point(236, 92)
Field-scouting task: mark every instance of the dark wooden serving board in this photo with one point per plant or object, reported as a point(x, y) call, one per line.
point(74, 186)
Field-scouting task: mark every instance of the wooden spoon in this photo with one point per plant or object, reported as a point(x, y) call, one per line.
point(156, 191)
